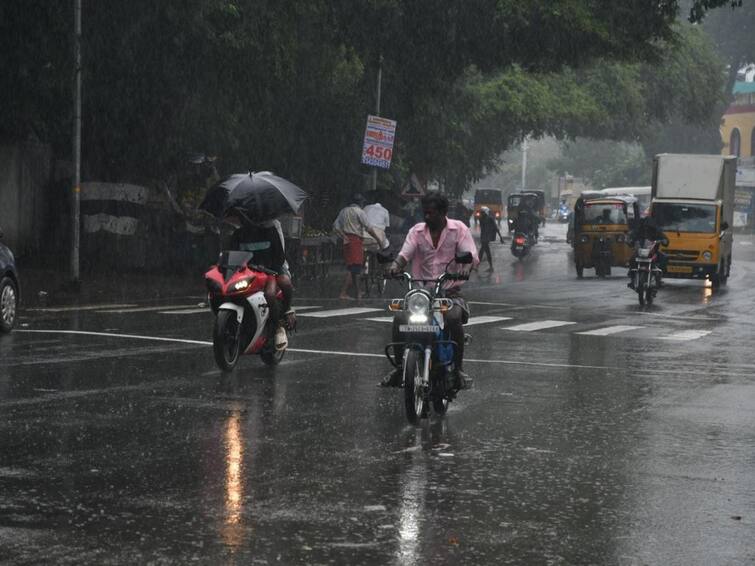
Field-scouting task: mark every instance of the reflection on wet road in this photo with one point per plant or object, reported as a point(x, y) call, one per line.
point(597, 433)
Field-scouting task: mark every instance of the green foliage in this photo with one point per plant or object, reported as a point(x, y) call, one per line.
point(286, 85)
point(603, 163)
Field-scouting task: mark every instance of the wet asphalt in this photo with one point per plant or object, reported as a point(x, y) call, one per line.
point(598, 432)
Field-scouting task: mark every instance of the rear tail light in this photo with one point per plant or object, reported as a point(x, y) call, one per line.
point(497, 214)
point(519, 240)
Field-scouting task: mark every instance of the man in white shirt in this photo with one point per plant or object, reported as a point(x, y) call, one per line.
point(381, 220)
point(378, 215)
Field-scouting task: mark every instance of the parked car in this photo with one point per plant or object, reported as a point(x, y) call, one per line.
point(9, 291)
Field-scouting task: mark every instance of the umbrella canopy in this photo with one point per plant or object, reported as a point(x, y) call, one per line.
point(259, 196)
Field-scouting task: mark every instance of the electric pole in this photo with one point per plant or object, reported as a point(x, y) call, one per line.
point(76, 200)
point(377, 112)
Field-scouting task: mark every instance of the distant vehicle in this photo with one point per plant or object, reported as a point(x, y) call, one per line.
point(693, 204)
point(493, 199)
point(9, 289)
point(533, 199)
point(642, 194)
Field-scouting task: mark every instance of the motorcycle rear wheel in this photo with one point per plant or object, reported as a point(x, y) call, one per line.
point(414, 396)
point(225, 341)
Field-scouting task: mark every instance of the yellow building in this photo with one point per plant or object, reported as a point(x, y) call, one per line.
point(738, 124)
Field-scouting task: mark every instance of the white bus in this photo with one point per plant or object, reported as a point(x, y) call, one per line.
point(642, 194)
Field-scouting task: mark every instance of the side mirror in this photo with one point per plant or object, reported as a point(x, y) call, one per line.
point(384, 257)
point(464, 258)
point(724, 225)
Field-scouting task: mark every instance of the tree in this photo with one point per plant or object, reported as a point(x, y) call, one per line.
point(286, 85)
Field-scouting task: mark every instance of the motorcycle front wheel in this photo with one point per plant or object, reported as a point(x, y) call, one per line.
point(642, 284)
point(414, 396)
point(272, 357)
point(225, 340)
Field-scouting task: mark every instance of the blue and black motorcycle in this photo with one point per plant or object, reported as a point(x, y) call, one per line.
point(428, 350)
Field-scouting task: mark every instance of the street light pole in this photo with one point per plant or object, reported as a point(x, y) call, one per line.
point(377, 113)
point(76, 200)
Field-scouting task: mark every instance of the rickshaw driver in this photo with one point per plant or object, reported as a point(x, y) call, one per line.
point(430, 246)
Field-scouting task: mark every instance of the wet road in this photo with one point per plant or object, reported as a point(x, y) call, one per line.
point(597, 433)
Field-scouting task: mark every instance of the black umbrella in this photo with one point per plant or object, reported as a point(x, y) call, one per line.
point(259, 196)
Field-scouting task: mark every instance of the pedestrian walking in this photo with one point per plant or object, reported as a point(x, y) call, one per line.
point(351, 225)
point(488, 230)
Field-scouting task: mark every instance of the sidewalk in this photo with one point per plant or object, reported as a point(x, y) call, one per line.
point(42, 287)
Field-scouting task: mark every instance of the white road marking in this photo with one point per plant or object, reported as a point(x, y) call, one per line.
point(340, 312)
point(686, 335)
point(114, 335)
point(362, 354)
point(472, 321)
point(540, 325)
point(608, 330)
point(80, 308)
point(186, 311)
point(147, 309)
point(491, 304)
point(485, 319)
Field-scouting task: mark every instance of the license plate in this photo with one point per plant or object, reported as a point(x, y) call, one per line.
point(679, 269)
point(418, 328)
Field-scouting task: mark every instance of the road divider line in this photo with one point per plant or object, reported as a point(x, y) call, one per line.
point(540, 325)
point(608, 330)
point(80, 308)
point(115, 335)
point(147, 309)
point(374, 355)
point(340, 312)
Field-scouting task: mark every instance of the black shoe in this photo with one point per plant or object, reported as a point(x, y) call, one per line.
point(393, 379)
point(461, 380)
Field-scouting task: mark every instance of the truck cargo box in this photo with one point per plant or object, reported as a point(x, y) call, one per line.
point(695, 177)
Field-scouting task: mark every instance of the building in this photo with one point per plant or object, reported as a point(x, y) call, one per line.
point(738, 137)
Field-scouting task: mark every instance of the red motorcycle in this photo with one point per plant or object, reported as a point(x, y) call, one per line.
point(242, 315)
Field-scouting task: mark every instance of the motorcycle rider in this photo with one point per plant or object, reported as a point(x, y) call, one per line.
point(430, 246)
point(265, 241)
point(526, 220)
point(645, 230)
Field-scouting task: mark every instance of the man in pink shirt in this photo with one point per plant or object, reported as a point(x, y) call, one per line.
point(430, 246)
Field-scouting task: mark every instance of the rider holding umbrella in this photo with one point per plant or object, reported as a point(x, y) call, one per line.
point(251, 203)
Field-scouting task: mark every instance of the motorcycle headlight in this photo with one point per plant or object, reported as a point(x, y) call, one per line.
point(707, 256)
point(243, 284)
point(643, 252)
point(418, 305)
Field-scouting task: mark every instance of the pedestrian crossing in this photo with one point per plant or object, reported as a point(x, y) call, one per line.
point(381, 316)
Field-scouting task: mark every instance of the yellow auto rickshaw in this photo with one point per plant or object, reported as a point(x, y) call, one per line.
point(601, 230)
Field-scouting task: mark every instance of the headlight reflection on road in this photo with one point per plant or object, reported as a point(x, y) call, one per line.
point(707, 292)
point(414, 483)
point(232, 531)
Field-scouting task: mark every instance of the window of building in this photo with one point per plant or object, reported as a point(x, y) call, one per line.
point(734, 142)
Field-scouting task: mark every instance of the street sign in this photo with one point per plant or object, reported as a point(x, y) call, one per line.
point(413, 188)
point(377, 149)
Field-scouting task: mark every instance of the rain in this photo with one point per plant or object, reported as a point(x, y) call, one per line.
point(390, 282)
